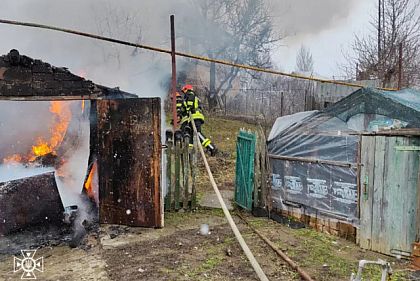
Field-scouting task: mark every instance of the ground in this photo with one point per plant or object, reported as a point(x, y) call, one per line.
point(179, 252)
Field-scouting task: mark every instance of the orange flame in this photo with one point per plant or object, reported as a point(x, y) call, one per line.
point(13, 159)
point(62, 117)
point(88, 184)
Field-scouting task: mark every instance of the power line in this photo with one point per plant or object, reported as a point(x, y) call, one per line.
point(201, 58)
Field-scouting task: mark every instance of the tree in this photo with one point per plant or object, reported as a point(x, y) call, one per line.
point(376, 55)
point(304, 61)
point(116, 22)
point(238, 31)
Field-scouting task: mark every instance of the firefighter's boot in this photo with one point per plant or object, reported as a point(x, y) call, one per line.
point(207, 144)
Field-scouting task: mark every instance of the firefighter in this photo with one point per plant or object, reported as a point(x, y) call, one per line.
point(192, 105)
point(180, 110)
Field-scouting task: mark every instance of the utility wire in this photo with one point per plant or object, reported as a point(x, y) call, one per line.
point(185, 55)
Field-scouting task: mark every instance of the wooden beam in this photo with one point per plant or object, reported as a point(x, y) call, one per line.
point(313, 160)
point(49, 98)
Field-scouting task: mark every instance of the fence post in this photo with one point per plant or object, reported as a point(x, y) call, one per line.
point(168, 199)
point(186, 170)
point(177, 173)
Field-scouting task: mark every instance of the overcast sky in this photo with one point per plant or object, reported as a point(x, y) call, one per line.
point(325, 26)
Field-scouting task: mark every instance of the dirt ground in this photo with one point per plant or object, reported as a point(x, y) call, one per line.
point(179, 252)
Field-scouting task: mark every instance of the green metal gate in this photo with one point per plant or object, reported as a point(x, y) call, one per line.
point(245, 152)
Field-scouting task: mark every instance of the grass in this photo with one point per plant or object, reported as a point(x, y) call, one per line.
point(214, 256)
point(319, 249)
point(223, 134)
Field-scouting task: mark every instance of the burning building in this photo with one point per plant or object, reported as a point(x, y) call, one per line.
point(63, 137)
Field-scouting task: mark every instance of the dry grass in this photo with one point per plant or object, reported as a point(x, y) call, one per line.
point(223, 134)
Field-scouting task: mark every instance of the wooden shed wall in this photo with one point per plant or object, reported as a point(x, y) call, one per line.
point(389, 194)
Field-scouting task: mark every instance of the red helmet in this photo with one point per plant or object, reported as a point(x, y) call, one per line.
point(187, 87)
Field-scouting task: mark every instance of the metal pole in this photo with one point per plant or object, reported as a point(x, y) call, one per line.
point(173, 84)
point(281, 103)
point(400, 58)
point(379, 31)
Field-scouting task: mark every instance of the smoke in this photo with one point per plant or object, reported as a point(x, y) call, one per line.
point(24, 122)
point(306, 17)
point(17, 119)
point(138, 71)
point(17, 171)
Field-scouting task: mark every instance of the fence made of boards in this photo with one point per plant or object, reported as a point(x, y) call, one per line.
point(252, 170)
point(181, 163)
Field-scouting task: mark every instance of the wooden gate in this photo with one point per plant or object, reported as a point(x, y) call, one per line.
point(245, 153)
point(389, 192)
point(129, 161)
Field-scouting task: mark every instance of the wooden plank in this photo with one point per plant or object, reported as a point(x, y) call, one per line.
point(49, 98)
point(364, 234)
point(177, 174)
point(411, 195)
point(173, 178)
point(193, 165)
point(168, 198)
point(257, 173)
point(186, 169)
point(392, 196)
point(378, 187)
point(313, 160)
point(129, 161)
point(408, 148)
point(417, 238)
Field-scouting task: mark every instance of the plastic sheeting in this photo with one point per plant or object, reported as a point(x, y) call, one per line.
point(323, 187)
point(286, 121)
point(331, 135)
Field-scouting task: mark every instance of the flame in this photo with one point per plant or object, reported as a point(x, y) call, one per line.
point(62, 118)
point(83, 106)
point(92, 182)
point(13, 159)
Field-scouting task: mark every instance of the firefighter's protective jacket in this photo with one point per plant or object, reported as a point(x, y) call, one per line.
point(192, 104)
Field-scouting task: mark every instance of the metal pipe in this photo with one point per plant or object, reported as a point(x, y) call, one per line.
point(305, 276)
point(173, 84)
point(400, 59)
point(151, 48)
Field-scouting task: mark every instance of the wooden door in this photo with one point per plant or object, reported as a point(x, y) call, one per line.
point(129, 161)
point(389, 192)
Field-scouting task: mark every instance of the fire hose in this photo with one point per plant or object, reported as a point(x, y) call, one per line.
point(257, 268)
point(305, 276)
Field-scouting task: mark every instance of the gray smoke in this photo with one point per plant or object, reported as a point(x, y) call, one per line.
point(146, 21)
point(307, 17)
point(138, 71)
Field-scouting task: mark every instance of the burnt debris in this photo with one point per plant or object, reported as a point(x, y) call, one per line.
point(29, 201)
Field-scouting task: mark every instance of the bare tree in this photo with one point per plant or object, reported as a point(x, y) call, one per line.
point(114, 21)
point(238, 31)
point(304, 60)
point(376, 56)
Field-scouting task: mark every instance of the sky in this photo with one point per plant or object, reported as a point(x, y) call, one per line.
point(324, 26)
point(326, 39)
